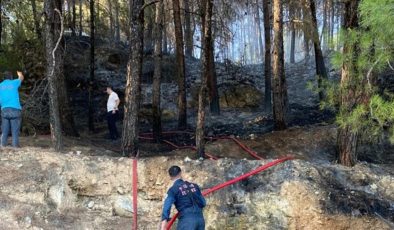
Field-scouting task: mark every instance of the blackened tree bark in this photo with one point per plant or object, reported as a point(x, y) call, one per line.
point(293, 37)
point(180, 59)
point(117, 21)
point(321, 71)
point(206, 19)
point(91, 68)
point(74, 19)
point(111, 19)
point(158, 34)
point(259, 32)
point(279, 81)
point(188, 29)
point(130, 143)
point(53, 30)
point(306, 47)
point(165, 39)
point(1, 20)
point(36, 19)
point(267, 56)
point(214, 101)
point(80, 18)
point(347, 138)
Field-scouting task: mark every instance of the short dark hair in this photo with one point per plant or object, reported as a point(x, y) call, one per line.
point(7, 75)
point(174, 171)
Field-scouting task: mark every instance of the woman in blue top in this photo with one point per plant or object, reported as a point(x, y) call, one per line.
point(11, 109)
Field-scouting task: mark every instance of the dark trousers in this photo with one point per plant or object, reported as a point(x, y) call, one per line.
point(191, 223)
point(111, 120)
point(10, 121)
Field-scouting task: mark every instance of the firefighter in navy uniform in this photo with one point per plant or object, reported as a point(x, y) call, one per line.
point(188, 201)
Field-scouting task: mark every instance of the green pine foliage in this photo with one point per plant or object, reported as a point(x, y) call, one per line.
point(374, 52)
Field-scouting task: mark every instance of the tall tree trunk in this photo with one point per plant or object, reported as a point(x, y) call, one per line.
point(188, 30)
point(92, 66)
point(111, 20)
point(267, 57)
point(306, 48)
point(36, 20)
point(158, 34)
point(1, 22)
point(180, 59)
point(165, 39)
point(117, 23)
point(278, 69)
point(214, 100)
point(321, 71)
point(206, 20)
point(53, 25)
point(69, 14)
point(324, 28)
point(130, 143)
point(97, 14)
point(259, 32)
point(80, 18)
point(332, 22)
point(293, 37)
point(348, 138)
point(74, 19)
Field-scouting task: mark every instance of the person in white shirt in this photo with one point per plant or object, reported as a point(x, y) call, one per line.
point(112, 113)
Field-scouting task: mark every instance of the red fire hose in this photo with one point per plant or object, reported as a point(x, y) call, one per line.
point(240, 144)
point(235, 180)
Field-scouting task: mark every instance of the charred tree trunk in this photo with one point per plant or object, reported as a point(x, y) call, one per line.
point(1, 21)
point(267, 56)
point(158, 33)
point(69, 14)
point(53, 26)
point(91, 68)
point(293, 38)
point(130, 144)
point(214, 102)
point(259, 32)
point(111, 20)
point(80, 18)
point(321, 71)
point(306, 48)
point(188, 30)
point(348, 138)
point(180, 59)
point(165, 39)
point(36, 19)
point(278, 69)
point(207, 46)
point(332, 4)
point(74, 19)
point(117, 22)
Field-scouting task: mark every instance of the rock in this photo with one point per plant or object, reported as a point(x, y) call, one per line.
point(91, 204)
point(61, 195)
point(187, 159)
point(28, 221)
point(121, 190)
point(122, 206)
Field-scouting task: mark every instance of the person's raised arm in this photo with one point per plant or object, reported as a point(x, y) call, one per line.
point(167, 209)
point(21, 77)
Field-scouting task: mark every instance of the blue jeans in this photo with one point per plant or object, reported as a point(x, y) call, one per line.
point(191, 223)
point(10, 119)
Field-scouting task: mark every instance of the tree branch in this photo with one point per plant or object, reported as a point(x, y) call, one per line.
point(58, 40)
point(148, 4)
